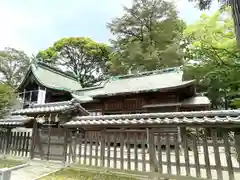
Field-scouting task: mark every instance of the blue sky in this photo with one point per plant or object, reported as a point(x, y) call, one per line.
point(32, 25)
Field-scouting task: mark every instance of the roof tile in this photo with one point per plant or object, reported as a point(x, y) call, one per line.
point(197, 117)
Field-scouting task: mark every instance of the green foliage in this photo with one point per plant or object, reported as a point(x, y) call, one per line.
point(7, 99)
point(147, 37)
point(13, 65)
point(211, 44)
point(235, 6)
point(85, 58)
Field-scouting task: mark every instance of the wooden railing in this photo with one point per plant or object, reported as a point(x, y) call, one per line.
point(208, 155)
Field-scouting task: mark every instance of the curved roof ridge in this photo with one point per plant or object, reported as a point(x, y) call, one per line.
point(148, 73)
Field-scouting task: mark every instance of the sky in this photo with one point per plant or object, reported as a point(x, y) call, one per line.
point(33, 25)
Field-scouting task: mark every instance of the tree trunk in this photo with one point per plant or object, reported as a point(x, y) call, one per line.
point(235, 5)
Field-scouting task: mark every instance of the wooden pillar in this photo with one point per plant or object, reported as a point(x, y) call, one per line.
point(152, 151)
point(65, 145)
point(49, 140)
point(34, 130)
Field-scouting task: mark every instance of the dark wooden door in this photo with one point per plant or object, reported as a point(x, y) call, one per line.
point(49, 144)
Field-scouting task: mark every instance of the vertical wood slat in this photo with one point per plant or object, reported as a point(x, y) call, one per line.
point(74, 148)
point(237, 145)
point(85, 149)
point(185, 146)
point(159, 149)
point(32, 148)
point(96, 150)
point(228, 156)
point(128, 151)
point(152, 152)
point(115, 151)
point(24, 142)
point(143, 153)
point(27, 144)
point(4, 142)
point(49, 141)
point(20, 143)
point(70, 146)
point(169, 170)
point(196, 156)
point(90, 148)
point(102, 147)
point(217, 156)
point(1, 140)
point(9, 142)
point(177, 155)
point(206, 155)
point(80, 147)
point(121, 150)
point(108, 149)
point(135, 151)
point(16, 143)
point(65, 146)
point(12, 143)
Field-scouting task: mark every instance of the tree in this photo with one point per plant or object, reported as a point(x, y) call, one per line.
point(6, 99)
point(235, 6)
point(83, 57)
point(147, 37)
point(212, 46)
point(13, 65)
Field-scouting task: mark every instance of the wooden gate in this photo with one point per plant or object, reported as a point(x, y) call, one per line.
point(49, 144)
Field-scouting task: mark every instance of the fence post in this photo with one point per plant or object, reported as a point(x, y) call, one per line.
point(5, 174)
point(8, 141)
point(65, 146)
point(237, 143)
point(34, 129)
point(152, 151)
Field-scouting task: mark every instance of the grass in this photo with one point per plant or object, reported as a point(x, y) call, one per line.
point(76, 174)
point(7, 163)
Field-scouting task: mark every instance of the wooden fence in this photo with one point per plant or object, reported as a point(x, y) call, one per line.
point(15, 143)
point(211, 154)
point(204, 155)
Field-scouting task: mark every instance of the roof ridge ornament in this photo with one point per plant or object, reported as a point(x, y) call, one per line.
point(177, 69)
point(34, 62)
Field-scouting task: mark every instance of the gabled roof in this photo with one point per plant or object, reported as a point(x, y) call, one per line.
point(165, 79)
point(51, 77)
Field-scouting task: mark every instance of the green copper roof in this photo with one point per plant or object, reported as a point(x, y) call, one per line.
point(143, 82)
point(51, 77)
